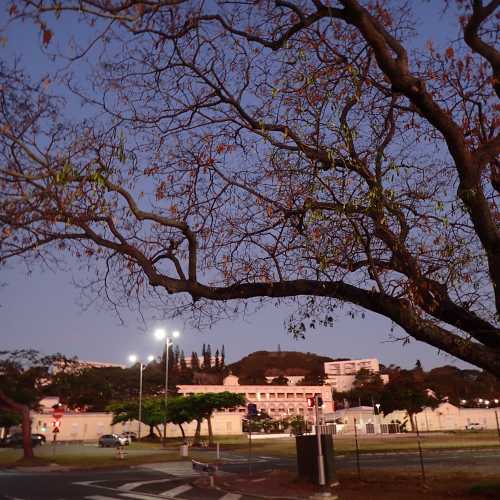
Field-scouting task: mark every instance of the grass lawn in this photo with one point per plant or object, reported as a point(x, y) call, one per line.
point(89, 455)
point(374, 444)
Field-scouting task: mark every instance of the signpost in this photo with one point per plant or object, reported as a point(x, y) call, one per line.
point(57, 413)
point(318, 401)
point(252, 411)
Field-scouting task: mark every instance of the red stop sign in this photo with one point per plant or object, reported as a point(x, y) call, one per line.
point(58, 412)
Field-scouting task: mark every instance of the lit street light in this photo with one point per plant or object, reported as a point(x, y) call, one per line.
point(133, 359)
point(161, 334)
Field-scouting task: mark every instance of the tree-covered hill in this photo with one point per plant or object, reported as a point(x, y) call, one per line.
point(276, 363)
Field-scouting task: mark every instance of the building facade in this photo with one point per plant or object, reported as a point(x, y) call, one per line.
point(340, 375)
point(446, 417)
point(278, 401)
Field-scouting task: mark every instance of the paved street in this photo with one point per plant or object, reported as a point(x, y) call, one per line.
point(174, 480)
point(140, 483)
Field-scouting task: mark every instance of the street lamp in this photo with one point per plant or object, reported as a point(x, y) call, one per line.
point(133, 359)
point(161, 334)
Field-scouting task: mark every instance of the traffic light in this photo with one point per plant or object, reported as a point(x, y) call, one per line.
point(310, 402)
point(320, 401)
point(252, 409)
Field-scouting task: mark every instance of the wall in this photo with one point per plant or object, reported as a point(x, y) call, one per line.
point(89, 426)
point(276, 400)
point(448, 417)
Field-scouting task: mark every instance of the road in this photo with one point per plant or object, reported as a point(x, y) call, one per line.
point(174, 480)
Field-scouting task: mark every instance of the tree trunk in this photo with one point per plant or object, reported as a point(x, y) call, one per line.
point(24, 411)
point(210, 432)
point(26, 424)
point(412, 421)
point(196, 438)
point(152, 434)
point(182, 432)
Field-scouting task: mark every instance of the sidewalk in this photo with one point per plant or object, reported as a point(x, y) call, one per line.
point(273, 484)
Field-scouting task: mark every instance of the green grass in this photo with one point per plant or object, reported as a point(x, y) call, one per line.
point(89, 455)
point(375, 444)
point(488, 489)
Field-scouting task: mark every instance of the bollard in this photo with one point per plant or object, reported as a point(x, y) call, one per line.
point(218, 451)
point(120, 452)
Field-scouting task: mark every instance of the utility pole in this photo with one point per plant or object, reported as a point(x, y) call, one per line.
point(321, 458)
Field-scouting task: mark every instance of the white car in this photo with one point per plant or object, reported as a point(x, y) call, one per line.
point(474, 426)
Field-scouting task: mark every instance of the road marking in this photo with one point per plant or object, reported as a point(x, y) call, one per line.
point(133, 486)
point(231, 496)
point(138, 497)
point(180, 469)
point(176, 491)
point(85, 483)
point(100, 497)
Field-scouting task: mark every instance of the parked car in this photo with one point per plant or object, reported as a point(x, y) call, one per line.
point(474, 426)
point(130, 434)
point(41, 437)
point(112, 440)
point(16, 440)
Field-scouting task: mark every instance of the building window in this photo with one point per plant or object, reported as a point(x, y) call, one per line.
point(281, 395)
point(300, 394)
point(272, 395)
point(290, 395)
point(251, 395)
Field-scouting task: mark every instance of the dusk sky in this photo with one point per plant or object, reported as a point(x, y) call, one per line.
point(42, 310)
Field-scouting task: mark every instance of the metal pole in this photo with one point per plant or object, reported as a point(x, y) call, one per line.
point(249, 445)
point(422, 469)
point(166, 391)
point(141, 367)
point(321, 461)
point(357, 447)
point(498, 425)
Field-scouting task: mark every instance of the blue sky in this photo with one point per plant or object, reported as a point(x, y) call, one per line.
point(42, 309)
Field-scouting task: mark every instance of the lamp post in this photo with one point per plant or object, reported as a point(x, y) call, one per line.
point(162, 334)
point(133, 359)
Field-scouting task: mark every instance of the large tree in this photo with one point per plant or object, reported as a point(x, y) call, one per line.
point(312, 150)
point(407, 391)
point(24, 377)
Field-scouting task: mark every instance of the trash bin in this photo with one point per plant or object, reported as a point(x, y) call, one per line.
point(307, 458)
point(184, 450)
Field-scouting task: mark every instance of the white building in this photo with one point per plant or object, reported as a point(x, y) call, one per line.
point(75, 366)
point(340, 375)
point(189, 361)
point(292, 379)
point(446, 417)
point(276, 400)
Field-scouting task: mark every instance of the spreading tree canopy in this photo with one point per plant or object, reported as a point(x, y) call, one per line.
point(318, 151)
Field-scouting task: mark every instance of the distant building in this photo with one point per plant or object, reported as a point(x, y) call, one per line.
point(292, 379)
point(189, 361)
point(276, 400)
point(73, 366)
point(340, 375)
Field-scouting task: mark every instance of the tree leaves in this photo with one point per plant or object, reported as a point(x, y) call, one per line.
point(47, 36)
